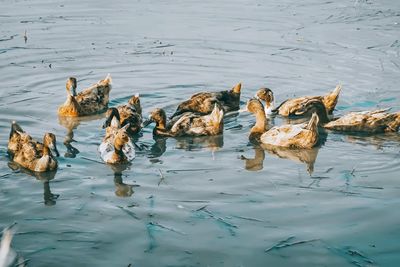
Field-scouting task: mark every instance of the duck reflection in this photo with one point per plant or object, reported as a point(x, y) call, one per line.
point(256, 163)
point(121, 189)
point(307, 156)
point(159, 147)
point(45, 177)
point(213, 143)
point(72, 123)
point(379, 141)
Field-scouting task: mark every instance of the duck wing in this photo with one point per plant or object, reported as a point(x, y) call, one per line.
point(282, 135)
point(291, 106)
point(95, 98)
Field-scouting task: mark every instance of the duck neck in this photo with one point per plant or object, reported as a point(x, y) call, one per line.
point(261, 122)
point(160, 125)
point(71, 101)
point(118, 148)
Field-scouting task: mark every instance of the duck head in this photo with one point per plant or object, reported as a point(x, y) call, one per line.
point(159, 117)
point(314, 106)
point(49, 141)
point(71, 86)
point(134, 102)
point(266, 95)
point(121, 138)
point(112, 118)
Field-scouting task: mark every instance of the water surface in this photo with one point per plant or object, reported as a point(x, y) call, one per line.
point(199, 202)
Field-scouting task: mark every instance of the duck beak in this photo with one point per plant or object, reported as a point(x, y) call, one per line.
point(53, 149)
point(146, 123)
point(243, 110)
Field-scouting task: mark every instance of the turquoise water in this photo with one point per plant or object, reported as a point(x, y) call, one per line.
point(199, 202)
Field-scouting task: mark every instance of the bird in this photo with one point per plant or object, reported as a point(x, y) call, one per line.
point(188, 124)
point(90, 101)
point(370, 122)
point(204, 102)
point(116, 147)
point(290, 107)
point(293, 136)
point(32, 154)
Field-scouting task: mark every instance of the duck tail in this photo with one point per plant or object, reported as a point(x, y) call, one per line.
point(313, 123)
point(108, 79)
point(107, 83)
point(236, 89)
point(394, 125)
point(15, 128)
point(331, 99)
point(216, 115)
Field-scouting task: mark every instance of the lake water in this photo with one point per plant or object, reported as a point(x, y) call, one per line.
point(197, 202)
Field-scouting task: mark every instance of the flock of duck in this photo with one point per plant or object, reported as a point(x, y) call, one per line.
point(201, 115)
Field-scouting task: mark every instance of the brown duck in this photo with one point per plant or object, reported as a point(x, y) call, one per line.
point(203, 103)
point(189, 124)
point(90, 101)
point(375, 121)
point(291, 136)
point(291, 107)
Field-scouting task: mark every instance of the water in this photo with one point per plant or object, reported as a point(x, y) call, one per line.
point(192, 202)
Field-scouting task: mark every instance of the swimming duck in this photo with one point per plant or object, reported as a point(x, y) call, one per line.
point(117, 147)
point(90, 101)
point(19, 137)
point(203, 103)
point(189, 124)
point(375, 121)
point(293, 136)
point(37, 156)
point(266, 95)
point(132, 114)
point(290, 107)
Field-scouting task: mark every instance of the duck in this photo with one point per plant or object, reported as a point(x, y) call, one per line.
point(204, 102)
point(90, 101)
point(291, 136)
point(131, 113)
point(188, 124)
point(290, 107)
point(18, 137)
point(36, 156)
point(116, 147)
point(368, 122)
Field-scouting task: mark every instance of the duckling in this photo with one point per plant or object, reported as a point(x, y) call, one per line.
point(37, 156)
point(290, 107)
point(132, 114)
point(293, 136)
point(90, 101)
point(189, 124)
point(375, 121)
point(117, 147)
point(266, 95)
point(204, 102)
